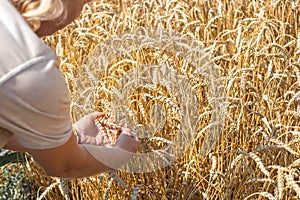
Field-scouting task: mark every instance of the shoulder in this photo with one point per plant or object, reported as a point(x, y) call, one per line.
point(17, 35)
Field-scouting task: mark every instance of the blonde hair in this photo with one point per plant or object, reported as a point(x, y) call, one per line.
point(35, 11)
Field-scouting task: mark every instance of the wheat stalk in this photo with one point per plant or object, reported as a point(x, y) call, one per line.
point(256, 47)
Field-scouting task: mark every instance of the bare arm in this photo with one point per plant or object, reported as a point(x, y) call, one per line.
point(69, 160)
point(72, 160)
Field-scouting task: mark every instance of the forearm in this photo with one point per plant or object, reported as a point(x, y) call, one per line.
point(68, 161)
point(97, 159)
point(83, 164)
point(71, 160)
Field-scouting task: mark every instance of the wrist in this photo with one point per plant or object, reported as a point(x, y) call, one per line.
point(77, 134)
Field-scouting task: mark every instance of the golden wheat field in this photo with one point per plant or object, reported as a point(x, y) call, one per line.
point(254, 48)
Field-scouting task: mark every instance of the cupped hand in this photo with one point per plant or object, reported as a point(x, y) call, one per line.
point(128, 140)
point(88, 131)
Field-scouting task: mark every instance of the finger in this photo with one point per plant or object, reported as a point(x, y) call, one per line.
point(96, 115)
point(134, 136)
point(100, 114)
point(126, 131)
point(110, 119)
point(130, 136)
point(136, 146)
point(99, 139)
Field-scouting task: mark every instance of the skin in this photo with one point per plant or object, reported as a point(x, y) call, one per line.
point(74, 8)
point(72, 160)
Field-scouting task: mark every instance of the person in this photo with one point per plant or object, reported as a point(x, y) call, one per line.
point(35, 102)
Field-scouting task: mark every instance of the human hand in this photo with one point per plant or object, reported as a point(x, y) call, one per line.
point(88, 131)
point(128, 140)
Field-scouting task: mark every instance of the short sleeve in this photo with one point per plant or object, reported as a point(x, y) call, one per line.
point(34, 98)
point(35, 106)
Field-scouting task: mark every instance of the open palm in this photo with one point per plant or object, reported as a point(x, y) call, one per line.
point(88, 131)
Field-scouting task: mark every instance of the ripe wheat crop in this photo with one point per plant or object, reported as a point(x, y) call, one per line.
point(255, 47)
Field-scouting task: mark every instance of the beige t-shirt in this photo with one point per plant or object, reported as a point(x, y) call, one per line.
point(34, 98)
